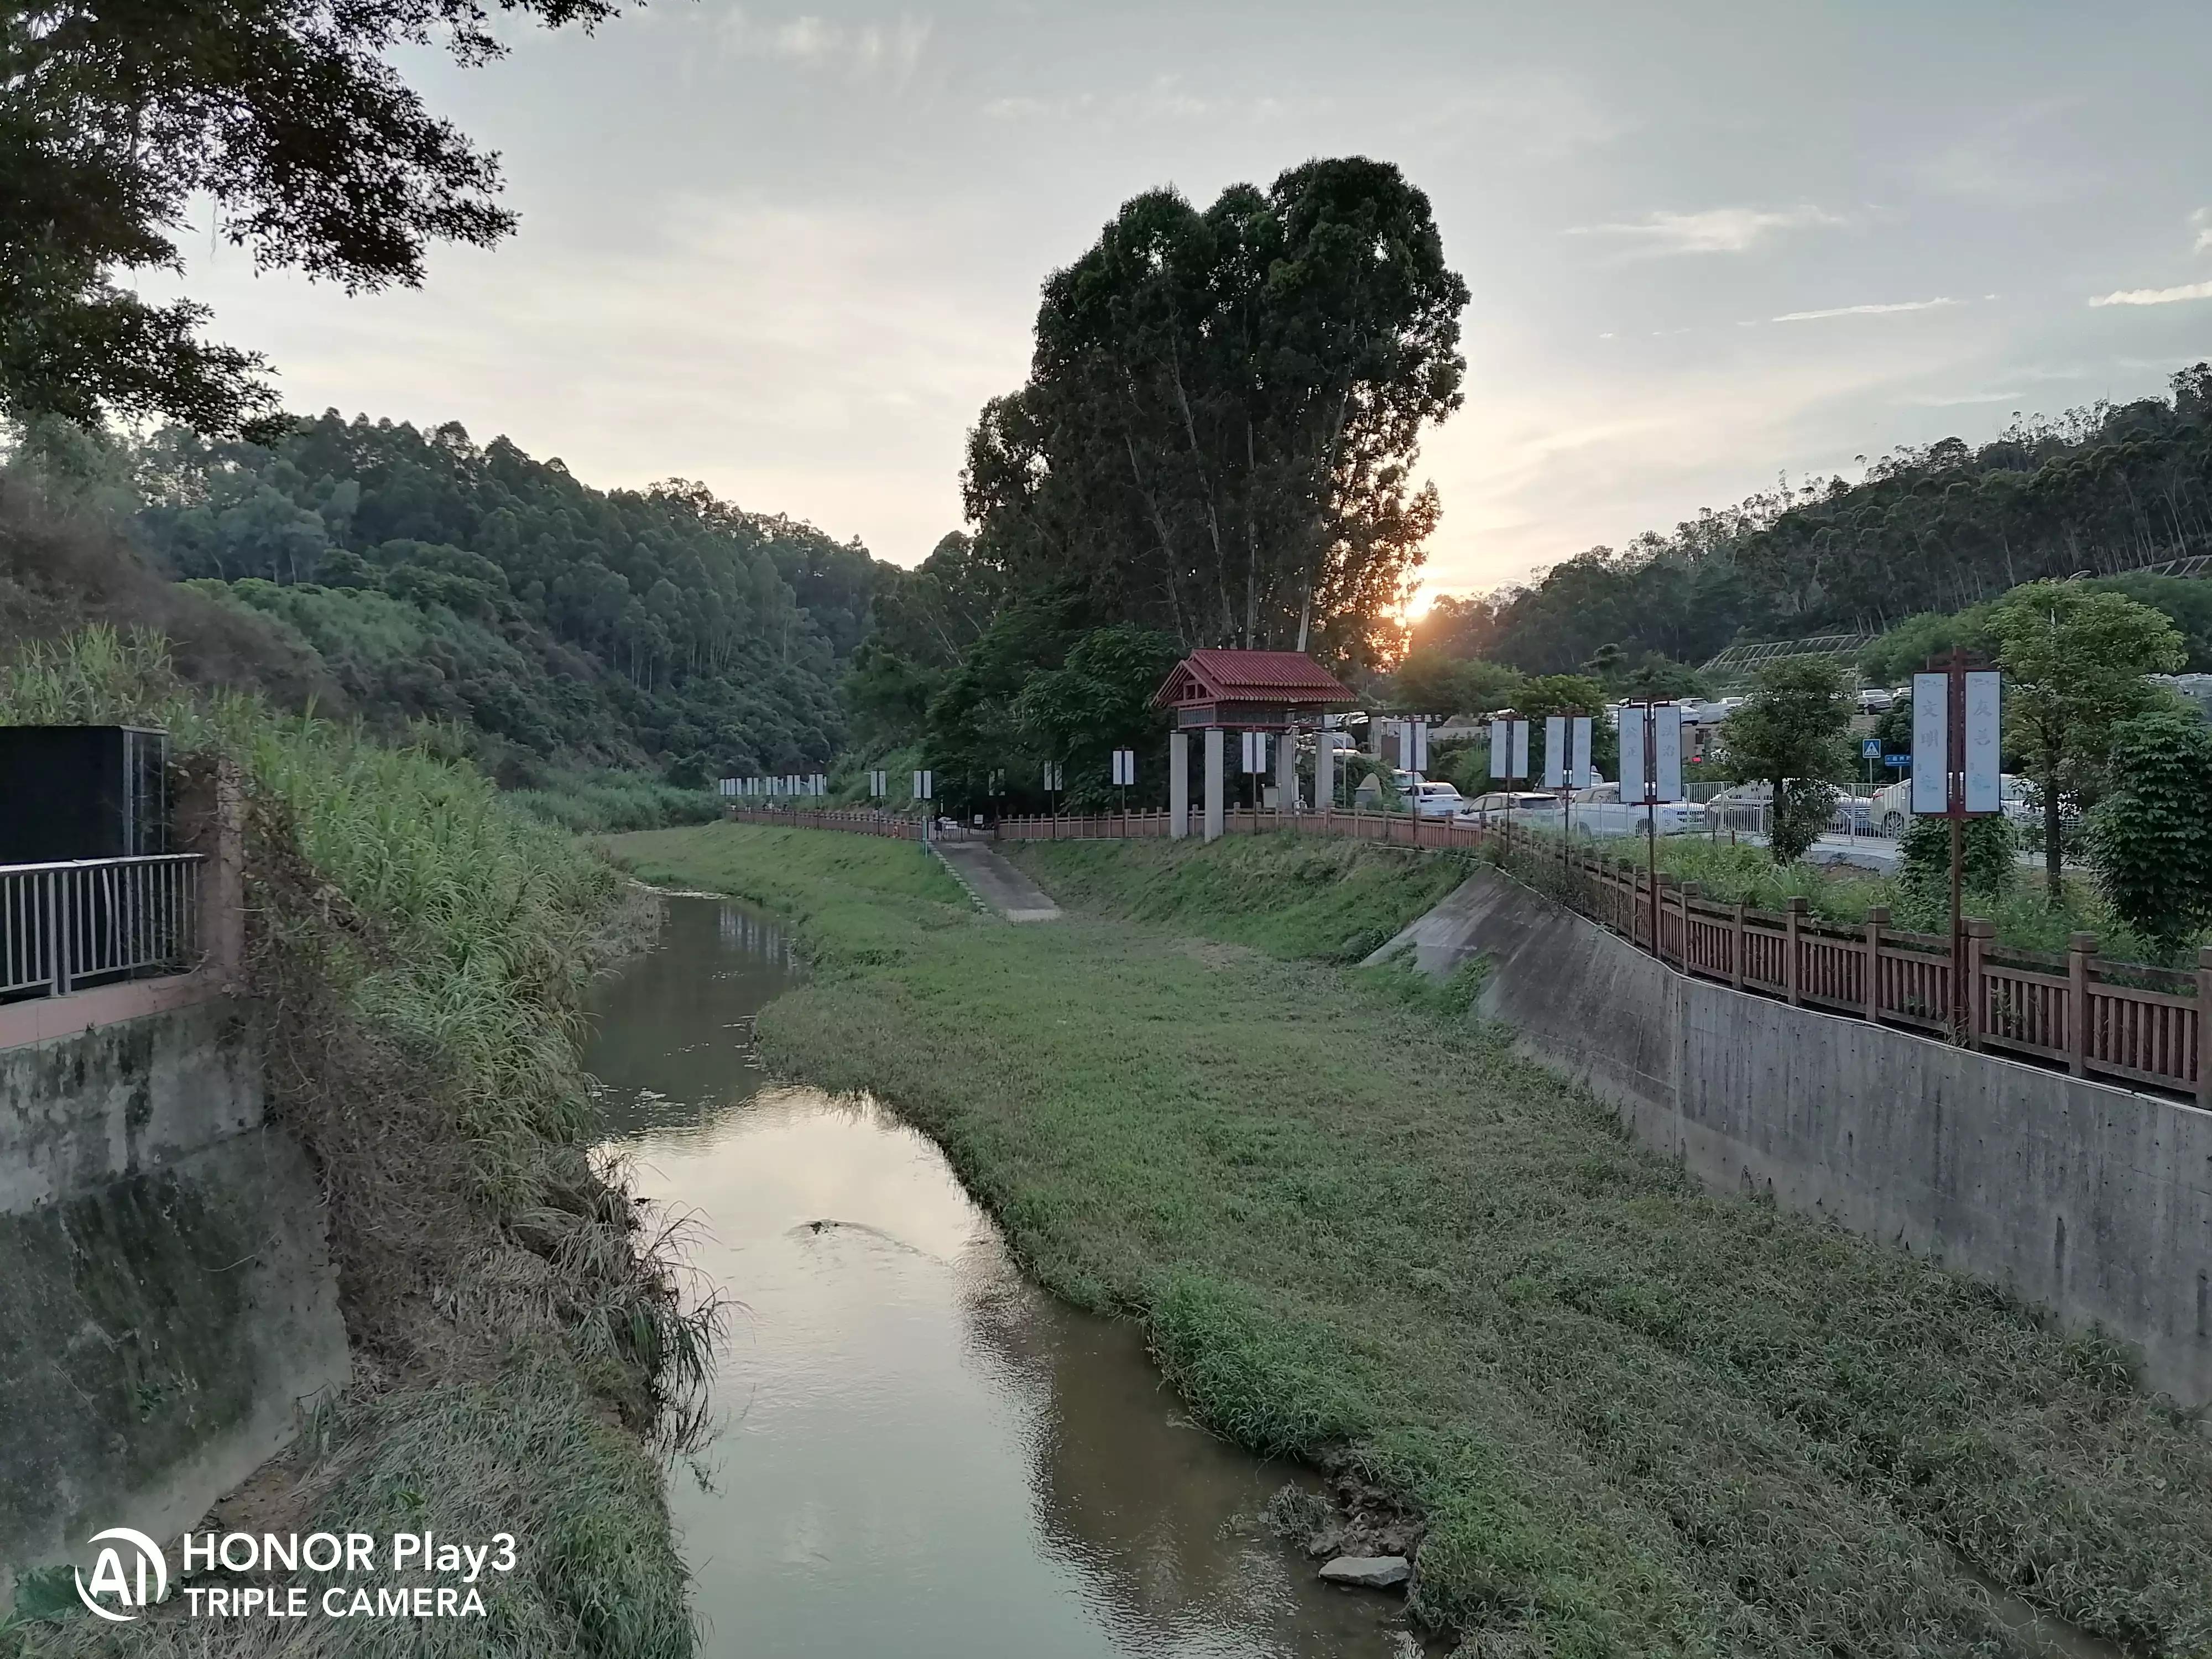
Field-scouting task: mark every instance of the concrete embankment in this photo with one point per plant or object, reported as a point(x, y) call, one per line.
point(167, 1303)
point(2090, 1200)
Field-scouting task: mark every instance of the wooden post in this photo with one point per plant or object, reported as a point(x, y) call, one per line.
point(1979, 933)
point(1690, 889)
point(1877, 919)
point(1735, 948)
point(2080, 950)
point(1792, 974)
point(2203, 1025)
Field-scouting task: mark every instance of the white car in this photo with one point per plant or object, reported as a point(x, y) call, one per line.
point(1525, 804)
point(1891, 808)
point(1438, 799)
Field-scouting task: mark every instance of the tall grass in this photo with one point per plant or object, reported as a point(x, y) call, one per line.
point(418, 949)
point(604, 799)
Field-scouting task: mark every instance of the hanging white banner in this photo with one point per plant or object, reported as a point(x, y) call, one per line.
point(1519, 749)
point(1578, 769)
point(1931, 743)
point(1555, 752)
point(1500, 755)
point(1985, 789)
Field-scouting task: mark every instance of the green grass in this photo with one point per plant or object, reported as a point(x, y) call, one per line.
point(1638, 1419)
point(596, 799)
point(1290, 896)
point(417, 953)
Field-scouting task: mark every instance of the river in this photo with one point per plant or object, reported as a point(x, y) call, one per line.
point(915, 1452)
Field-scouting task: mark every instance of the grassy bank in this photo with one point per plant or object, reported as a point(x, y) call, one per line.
point(417, 950)
point(1637, 1420)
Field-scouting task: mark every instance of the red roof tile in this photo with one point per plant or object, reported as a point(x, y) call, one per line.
point(1288, 677)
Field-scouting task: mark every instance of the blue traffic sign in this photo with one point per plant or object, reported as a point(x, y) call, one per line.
point(1870, 749)
point(1897, 760)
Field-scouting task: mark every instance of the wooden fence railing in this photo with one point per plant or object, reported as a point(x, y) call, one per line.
point(2122, 1021)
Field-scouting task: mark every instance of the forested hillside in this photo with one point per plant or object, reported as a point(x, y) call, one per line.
point(435, 578)
point(2102, 489)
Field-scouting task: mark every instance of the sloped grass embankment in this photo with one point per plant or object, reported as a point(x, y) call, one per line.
point(1637, 1420)
point(417, 953)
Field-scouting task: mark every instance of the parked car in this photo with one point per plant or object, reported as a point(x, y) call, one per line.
point(1525, 803)
point(1618, 818)
point(1893, 805)
point(1438, 799)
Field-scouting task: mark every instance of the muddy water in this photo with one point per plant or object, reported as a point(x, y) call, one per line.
point(918, 1453)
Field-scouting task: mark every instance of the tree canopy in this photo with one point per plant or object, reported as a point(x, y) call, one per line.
point(1221, 415)
point(1791, 735)
point(437, 578)
point(288, 116)
point(2074, 660)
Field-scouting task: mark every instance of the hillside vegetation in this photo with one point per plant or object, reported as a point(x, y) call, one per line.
point(414, 575)
point(2101, 489)
point(1633, 1418)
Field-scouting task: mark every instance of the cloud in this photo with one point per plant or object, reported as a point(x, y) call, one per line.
point(2201, 223)
point(1164, 99)
point(1542, 116)
point(1716, 230)
point(867, 51)
point(1863, 311)
point(2154, 296)
point(1961, 399)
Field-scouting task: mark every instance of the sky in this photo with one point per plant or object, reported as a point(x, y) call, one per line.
point(790, 251)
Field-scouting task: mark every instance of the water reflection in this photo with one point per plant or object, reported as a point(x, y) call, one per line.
point(920, 1453)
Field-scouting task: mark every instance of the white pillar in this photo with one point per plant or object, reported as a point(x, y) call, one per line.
point(1324, 769)
point(1178, 784)
point(1286, 770)
point(1214, 820)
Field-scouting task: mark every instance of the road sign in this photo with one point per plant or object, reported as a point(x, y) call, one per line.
point(1900, 762)
point(1870, 749)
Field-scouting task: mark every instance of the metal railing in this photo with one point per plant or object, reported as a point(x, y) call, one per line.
point(67, 926)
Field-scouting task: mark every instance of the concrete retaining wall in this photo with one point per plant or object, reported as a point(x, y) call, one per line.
point(168, 1306)
point(2090, 1200)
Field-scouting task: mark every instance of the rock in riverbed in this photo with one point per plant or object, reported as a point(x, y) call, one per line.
point(1369, 1571)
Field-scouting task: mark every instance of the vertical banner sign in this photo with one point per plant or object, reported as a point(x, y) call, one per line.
point(1931, 738)
point(1519, 749)
point(1654, 732)
point(1499, 756)
point(1983, 791)
point(1255, 751)
point(1420, 746)
point(1666, 719)
point(1634, 723)
point(1125, 767)
point(1052, 775)
point(1555, 752)
point(1578, 767)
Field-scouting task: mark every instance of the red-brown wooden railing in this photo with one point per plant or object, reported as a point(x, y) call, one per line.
point(2121, 1021)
